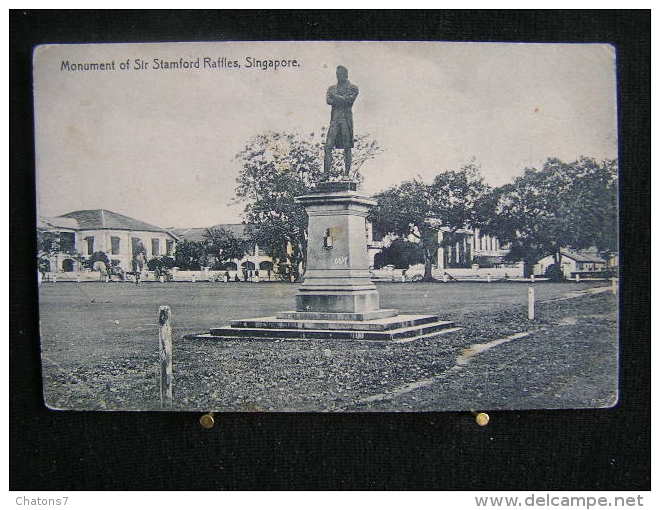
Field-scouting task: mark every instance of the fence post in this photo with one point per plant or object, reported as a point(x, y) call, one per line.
point(165, 355)
point(530, 303)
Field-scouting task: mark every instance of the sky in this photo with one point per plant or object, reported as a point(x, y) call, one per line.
point(159, 144)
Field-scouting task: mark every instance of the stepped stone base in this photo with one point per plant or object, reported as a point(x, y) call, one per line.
point(387, 328)
point(339, 316)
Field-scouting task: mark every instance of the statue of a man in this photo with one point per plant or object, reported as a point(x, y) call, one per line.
point(340, 133)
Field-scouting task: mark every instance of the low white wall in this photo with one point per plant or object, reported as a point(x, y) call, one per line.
point(212, 275)
point(462, 273)
point(482, 272)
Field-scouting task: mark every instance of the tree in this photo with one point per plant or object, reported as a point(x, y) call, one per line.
point(160, 263)
point(224, 245)
point(276, 168)
point(419, 210)
point(190, 255)
point(563, 205)
point(401, 254)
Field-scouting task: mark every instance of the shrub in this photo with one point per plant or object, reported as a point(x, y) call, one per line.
point(554, 273)
point(401, 254)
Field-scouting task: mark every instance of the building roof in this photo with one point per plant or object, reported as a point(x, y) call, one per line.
point(102, 219)
point(197, 234)
point(58, 222)
point(582, 257)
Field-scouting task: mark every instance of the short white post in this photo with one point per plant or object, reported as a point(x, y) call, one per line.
point(54, 278)
point(577, 277)
point(488, 277)
point(194, 277)
point(532, 277)
point(530, 303)
point(77, 277)
point(165, 355)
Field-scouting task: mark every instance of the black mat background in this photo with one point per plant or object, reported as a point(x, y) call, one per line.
point(532, 450)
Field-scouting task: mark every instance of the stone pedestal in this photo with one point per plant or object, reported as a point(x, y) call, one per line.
point(337, 279)
point(337, 300)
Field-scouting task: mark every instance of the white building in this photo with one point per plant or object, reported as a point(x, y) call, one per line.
point(120, 237)
point(573, 262)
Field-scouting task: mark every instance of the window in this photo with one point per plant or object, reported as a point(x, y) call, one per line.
point(67, 241)
point(169, 247)
point(114, 242)
point(90, 245)
point(155, 247)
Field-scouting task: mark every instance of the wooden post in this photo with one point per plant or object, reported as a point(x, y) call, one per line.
point(165, 355)
point(530, 303)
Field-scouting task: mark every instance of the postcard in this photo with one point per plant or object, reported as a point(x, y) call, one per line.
point(327, 226)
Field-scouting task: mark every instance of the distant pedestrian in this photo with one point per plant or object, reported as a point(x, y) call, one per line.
point(256, 276)
point(227, 277)
point(100, 266)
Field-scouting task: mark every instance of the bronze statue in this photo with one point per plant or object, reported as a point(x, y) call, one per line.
point(340, 133)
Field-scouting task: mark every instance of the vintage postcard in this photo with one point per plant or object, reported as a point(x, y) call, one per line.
point(327, 226)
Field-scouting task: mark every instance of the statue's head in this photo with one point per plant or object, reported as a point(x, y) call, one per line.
point(342, 73)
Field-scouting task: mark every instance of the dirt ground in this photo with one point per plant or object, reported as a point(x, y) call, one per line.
point(100, 342)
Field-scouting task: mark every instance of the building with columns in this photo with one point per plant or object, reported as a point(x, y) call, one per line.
point(460, 249)
point(465, 248)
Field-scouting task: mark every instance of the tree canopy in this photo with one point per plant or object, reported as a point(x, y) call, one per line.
point(224, 245)
point(563, 205)
point(190, 255)
point(419, 210)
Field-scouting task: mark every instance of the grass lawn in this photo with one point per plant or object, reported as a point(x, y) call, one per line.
point(99, 345)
